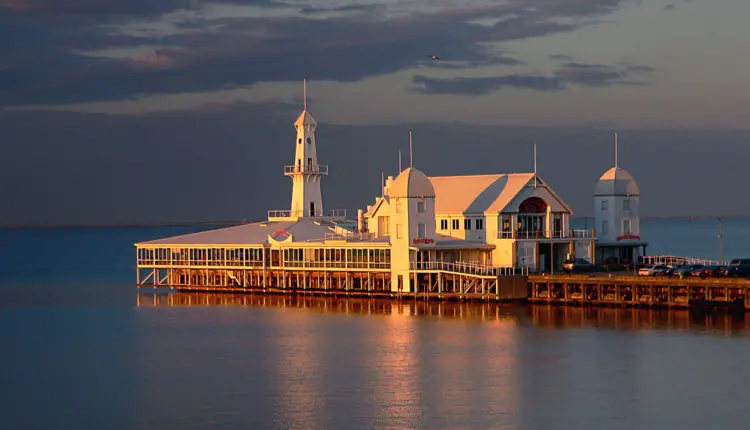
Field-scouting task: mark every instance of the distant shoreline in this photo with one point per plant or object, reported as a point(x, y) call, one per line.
point(239, 222)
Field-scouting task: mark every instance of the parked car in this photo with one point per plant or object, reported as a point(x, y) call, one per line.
point(686, 270)
point(578, 265)
point(707, 272)
point(739, 267)
point(655, 270)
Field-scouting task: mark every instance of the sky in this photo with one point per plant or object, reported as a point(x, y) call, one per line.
point(181, 110)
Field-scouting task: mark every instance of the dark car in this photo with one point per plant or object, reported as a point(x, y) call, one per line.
point(686, 270)
point(737, 268)
point(707, 272)
point(578, 265)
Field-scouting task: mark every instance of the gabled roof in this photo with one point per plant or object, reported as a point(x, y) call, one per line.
point(303, 230)
point(477, 193)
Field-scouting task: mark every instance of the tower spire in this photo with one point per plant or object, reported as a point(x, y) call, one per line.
point(411, 153)
point(534, 164)
point(615, 150)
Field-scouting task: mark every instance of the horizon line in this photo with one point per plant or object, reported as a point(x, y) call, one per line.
point(245, 221)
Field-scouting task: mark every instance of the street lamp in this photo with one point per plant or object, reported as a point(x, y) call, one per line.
point(721, 239)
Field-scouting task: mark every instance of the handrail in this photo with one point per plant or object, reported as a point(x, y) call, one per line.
point(350, 236)
point(337, 213)
point(313, 170)
point(542, 234)
point(470, 268)
point(674, 259)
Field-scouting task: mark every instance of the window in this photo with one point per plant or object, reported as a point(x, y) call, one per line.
point(398, 231)
point(421, 230)
point(443, 224)
point(398, 206)
point(626, 226)
point(604, 227)
point(384, 226)
point(604, 205)
point(309, 141)
point(480, 224)
point(299, 140)
point(309, 164)
point(626, 205)
point(454, 224)
point(467, 224)
point(420, 206)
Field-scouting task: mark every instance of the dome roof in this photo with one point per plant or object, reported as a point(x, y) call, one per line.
point(305, 119)
point(411, 183)
point(617, 182)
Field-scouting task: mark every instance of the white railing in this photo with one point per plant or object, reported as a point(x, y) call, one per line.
point(542, 234)
point(671, 260)
point(286, 213)
point(582, 233)
point(469, 268)
point(337, 213)
point(313, 170)
point(349, 237)
point(283, 213)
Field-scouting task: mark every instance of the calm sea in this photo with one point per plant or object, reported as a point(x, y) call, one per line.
point(81, 347)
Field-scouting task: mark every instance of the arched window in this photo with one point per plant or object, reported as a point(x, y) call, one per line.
point(309, 141)
point(533, 205)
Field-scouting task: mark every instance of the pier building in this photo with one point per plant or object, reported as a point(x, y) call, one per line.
point(444, 235)
point(617, 217)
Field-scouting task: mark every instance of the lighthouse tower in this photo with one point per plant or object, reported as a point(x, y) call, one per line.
point(617, 215)
point(307, 200)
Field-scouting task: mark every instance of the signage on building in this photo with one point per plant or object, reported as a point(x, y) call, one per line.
point(628, 237)
point(423, 240)
point(280, 235)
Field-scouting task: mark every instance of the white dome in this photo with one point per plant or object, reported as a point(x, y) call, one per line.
point(617, 182)
point(411, 183)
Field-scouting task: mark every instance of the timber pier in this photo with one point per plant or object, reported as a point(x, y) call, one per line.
point(465, 283)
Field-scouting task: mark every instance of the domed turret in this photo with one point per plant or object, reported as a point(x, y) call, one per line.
point(617, 182)
point(412, 183)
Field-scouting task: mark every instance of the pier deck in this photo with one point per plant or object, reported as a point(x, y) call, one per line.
point(644, 291)
point(431, 283)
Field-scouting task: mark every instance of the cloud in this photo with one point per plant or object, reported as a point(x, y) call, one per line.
point(206, 46)
point(565, 75)
point(484, 85)
point(561, 57)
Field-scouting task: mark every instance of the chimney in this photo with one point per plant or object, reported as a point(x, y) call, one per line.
point(360, 220)
point(388, 183)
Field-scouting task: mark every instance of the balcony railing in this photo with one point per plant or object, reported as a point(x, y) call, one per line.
point(350, 237)
point(309, 170)
point(337, 213)
point(469, 268)
point(286, 213)
point(542, 234)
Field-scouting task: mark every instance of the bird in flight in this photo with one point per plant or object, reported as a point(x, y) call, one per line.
point(435, 57)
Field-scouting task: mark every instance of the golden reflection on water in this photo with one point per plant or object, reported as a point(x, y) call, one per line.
point(395, 390)
point(559, 317)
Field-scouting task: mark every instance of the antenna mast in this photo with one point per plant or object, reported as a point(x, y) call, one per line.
point(399, 161)
point(411, 154)
point(382, 183)
point(304, 92)
point(534, 164)
point(615, 149)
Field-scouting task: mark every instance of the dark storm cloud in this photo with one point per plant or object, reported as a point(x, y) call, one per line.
point(114, 7)
point(593, 75)
point(485, 85)
point(200, 54)
point(598, 75)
